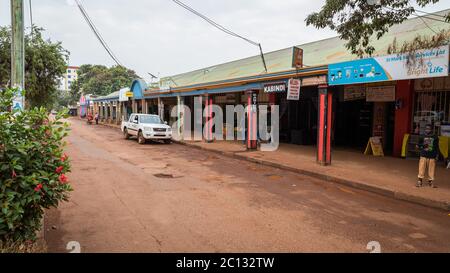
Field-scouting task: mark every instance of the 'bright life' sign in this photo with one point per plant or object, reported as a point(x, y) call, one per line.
point(428, 63)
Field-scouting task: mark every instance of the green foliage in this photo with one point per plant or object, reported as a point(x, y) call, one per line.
point(101, 80)
point(32, 168)
point(63, 100)
point(358, 21)
point(45, 63)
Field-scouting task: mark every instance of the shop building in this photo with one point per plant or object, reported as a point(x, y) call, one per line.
point(327, 113)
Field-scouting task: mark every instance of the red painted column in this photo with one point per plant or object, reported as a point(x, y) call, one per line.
point(324, 125)
point(404, 95)
point(252, 134)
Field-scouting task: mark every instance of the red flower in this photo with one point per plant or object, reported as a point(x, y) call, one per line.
point(13, 174)
point(63, 179)
point(64, 157)
point(38, 187)
point(59, 169)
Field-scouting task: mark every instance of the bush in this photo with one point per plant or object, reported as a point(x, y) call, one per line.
point(33, 168)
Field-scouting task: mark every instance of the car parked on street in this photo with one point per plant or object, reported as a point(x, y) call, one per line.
point(146, 127)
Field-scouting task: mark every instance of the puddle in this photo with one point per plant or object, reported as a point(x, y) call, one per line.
point(164, 175)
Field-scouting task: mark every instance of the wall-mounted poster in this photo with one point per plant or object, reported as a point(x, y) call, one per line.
point(354, 92)
point(380, 93)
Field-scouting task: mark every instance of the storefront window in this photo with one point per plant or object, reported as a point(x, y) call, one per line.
point(432, 104)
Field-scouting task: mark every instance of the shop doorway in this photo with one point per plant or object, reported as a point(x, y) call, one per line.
point(298, 119)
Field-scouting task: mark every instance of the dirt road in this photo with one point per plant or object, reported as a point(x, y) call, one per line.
point(173, 198)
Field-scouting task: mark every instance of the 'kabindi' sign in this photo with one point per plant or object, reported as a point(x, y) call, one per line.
point(427, 63)
point(275, 87)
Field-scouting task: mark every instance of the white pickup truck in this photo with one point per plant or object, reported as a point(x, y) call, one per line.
point(146, 127)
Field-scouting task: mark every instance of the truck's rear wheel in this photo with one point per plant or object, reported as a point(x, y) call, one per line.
point(125, 133)
point(141, 139)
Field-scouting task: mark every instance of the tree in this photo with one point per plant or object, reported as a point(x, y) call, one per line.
point(357, 21)
point(101, 80)
point(45, 64)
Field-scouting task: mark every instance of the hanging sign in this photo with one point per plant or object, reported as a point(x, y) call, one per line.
point(374, 146)
point(428, 63)
point(274, 87)
point(293, 89)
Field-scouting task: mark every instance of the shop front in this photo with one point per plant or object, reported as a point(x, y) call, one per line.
point(363, 111)
point(391, 99)
point(431, 106)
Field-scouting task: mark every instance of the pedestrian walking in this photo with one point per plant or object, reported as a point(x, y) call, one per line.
point(96, 118)
point(429, 151)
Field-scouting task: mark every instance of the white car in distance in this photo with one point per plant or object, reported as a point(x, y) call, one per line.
point(146, 127)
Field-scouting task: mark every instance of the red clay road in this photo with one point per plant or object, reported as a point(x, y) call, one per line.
point(172, 198)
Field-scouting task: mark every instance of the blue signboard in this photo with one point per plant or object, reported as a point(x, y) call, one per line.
point(358, 71)
point(428, 63)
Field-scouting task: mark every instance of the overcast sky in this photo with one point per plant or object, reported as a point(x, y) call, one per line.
point(160, 37)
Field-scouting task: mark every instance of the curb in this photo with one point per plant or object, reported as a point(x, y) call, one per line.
point(442, 205)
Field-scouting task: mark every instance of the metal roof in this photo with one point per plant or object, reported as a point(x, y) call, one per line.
point(316, 53)
point(110, 97)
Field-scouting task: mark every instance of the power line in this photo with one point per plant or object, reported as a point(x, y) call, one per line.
point(424, 16)
point(426, 24)
point(432, 14)
point(97, 33)
point(222, 28)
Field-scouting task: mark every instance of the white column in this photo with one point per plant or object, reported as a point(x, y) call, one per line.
point(160, 108)
point(180, 116)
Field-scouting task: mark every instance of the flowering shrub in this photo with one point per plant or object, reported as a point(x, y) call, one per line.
point(32, 168)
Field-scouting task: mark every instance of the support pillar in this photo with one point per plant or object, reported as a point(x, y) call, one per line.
point(180, 117)
point(208, 119)
point(160, 108)
point(144, 106)
point(252, 124)
point(324, 123)
point(111, 110)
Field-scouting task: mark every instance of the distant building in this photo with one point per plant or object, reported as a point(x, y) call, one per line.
point(68, 78)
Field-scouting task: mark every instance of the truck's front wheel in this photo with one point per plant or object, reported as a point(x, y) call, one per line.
point(125, 133)
point(141, 139)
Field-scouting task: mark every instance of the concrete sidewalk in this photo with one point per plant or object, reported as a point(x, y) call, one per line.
point(388, 176)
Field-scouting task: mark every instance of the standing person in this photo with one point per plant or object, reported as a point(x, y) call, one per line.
point(96, 118)
point(429, 151)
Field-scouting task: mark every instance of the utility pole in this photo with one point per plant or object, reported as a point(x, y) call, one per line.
point(17, 52)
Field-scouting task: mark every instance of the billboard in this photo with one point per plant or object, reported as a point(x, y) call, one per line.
point(428, 63)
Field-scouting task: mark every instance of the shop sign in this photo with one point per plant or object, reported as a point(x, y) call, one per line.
point(297, 57)
point(429, 63)
point(380, 93)
point(123, 94)
point(374, 147)
point(354, 92)
point(274, 87)
point(293, 89)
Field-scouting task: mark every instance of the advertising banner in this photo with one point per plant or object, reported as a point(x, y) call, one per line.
point(428, 63)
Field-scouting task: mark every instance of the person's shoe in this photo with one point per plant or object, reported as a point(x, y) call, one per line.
point(419, 183)
point(431, 184)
